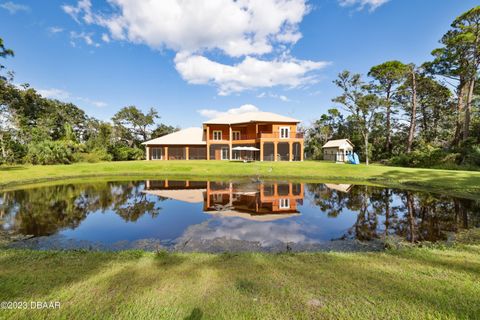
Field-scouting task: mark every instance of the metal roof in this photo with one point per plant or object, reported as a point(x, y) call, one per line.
point(251, 117)
point(337, 143)
point(189, 136)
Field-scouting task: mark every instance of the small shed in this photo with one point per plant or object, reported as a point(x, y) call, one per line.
point(337, 150)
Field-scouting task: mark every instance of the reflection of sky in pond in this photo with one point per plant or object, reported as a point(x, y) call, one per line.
point(112, 212)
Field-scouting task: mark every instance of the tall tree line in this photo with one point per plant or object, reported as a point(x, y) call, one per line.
point(37, 130)
point(414, 115)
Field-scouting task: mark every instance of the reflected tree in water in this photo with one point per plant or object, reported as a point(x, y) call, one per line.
point(382, 212)
point(45, 211)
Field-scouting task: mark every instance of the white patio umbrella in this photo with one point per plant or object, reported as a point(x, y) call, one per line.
point(246, 149)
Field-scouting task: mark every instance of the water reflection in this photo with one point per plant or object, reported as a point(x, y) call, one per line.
point(266, 213)
point(253, 201)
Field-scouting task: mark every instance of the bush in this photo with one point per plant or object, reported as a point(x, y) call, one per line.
point(95, 155)
point(50, 152)
point(122, 153)
point(425, 157)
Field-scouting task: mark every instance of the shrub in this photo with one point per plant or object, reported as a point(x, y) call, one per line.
point(122, 153)
point(50, 152)
point(425, 157)
point(96, 155)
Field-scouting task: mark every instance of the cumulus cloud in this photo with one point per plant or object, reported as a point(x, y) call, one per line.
point(361, 4)
point(248, 74)
point(236, 27)
point(13, 7)
point(265, 233)
point(240, 29)
point(212, 113)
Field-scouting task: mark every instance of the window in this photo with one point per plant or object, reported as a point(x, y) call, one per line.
point(236, 135)
point(224, 153)
point(284, 203)
point(284, 132)
point(217, 135)
point(157, 153)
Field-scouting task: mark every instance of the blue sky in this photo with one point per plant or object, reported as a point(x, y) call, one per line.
point(192, 61)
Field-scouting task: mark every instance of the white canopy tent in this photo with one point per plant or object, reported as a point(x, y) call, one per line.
point(251, 149)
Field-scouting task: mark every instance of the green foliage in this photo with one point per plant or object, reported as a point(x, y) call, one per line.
point(95, 155)
point(424, 157)
point(51, 152)
point(123, 153)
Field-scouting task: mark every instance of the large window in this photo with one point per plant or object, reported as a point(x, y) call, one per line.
point(284, 132)
point(217, 135)
point(157, 153)
point(236, 135)
point(284, 203)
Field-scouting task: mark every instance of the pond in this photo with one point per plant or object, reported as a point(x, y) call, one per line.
point(219, 216)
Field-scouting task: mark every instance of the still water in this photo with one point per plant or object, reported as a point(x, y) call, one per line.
point(228, 215)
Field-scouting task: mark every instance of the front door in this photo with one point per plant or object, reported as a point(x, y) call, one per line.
point(224, 153)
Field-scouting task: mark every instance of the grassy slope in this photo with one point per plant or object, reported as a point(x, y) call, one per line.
point(415, 283)
point(457, 182)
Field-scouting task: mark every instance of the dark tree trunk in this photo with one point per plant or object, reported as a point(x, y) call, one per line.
point(468, 109)
point(411, 216)
point(460, 109)
point(388, 140)
point(413, 116)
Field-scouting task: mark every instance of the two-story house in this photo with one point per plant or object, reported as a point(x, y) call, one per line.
point(262, 136)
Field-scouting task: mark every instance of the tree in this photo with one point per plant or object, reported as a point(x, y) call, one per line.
point(388, 76)
point(133, 125)
point(459, 60)
point(360, 102)
point(162, 130)
point(4, 53)
point(329, 126)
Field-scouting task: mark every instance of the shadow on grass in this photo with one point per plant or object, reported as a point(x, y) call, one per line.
point(348, 285)
point(12, 168)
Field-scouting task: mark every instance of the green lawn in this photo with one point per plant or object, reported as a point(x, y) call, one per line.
point(466, 183)
point(413, 283)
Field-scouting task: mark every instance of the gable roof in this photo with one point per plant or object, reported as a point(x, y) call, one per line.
point(191, 136)
point(337, 143)
point(246, 117)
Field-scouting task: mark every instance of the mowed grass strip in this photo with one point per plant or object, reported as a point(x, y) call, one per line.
point(463, 183)
point(413, 283)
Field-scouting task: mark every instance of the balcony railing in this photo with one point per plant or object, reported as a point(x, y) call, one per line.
point(277, 135)
point(262, 135)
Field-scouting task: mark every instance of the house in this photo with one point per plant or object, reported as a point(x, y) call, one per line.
point(266, 201)
point(262, 136)
point(337, 150)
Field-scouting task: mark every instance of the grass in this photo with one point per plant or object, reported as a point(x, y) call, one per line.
point(462, 183)
point(437, 282)
point(413, 283)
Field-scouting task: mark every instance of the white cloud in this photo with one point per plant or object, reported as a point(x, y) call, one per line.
point(54, 93)
point(236, 27)
point(54, 30)
point(273, 95)
point(86, 37)
point(211, 113)
point(249, 74)
point(65, 96)
point(242, 29)
point(361, 4)
point(13, 8)
point(105, 38)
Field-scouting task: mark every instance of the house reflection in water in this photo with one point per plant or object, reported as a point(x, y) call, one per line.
point(265, 201)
